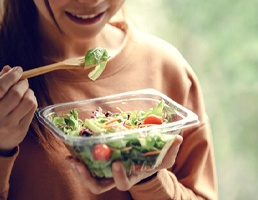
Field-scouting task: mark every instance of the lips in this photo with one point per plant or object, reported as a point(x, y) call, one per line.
point(84, 19)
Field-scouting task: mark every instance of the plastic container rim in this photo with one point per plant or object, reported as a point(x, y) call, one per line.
point(190, 120)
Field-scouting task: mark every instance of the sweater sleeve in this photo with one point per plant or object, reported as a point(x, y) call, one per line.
point(193, 175)
point(6, 165)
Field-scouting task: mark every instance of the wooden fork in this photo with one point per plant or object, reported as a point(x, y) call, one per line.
point(71, 63)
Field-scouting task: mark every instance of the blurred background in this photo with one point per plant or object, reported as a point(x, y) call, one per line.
point(219, 39)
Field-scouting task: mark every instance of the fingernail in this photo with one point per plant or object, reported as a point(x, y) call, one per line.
point(18, 69)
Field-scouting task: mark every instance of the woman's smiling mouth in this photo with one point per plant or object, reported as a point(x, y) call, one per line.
point(84, 19)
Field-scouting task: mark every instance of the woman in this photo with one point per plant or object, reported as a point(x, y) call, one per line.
point(33, 164)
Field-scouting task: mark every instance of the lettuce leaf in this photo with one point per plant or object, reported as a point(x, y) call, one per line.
point(98, 57)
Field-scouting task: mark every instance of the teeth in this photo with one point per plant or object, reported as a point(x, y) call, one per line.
point(84, 16)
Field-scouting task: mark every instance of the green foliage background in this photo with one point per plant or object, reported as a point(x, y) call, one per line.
point(220, 41)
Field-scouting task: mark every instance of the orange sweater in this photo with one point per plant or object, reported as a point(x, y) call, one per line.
point(143, 62)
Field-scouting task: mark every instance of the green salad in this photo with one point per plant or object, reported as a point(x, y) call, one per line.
point(98, 57)
point(137, 151)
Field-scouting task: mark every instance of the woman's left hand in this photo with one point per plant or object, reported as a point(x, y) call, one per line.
point(120, 180)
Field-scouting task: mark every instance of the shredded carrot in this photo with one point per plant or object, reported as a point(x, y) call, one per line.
point(111, 121)
point(130, 127)
point(150, 153)
point(119, 109)
point(139, 168)
point(126, 149)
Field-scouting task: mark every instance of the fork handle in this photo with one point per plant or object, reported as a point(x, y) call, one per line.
point(45, 69)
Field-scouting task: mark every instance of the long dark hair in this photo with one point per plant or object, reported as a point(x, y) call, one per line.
point(18, 34)
point(19, 46)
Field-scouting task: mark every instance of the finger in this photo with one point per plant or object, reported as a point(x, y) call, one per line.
point(21, 114)
point(5, 69)
point(171, 154)
point(8, 79)
point(173, 150)
point(28, 103)
point(13, 97)
point(15, 134)
point(27, 110)
point(120, 176)
point(125, 182)
point(25, 122)
point(17, 122)
point(177, 141)
point(94, 185)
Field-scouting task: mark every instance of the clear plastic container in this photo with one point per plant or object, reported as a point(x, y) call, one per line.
point(130, 146)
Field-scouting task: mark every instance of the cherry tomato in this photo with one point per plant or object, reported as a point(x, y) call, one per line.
point(153, 119)
point(101, 152)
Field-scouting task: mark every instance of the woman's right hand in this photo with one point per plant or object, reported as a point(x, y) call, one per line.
point(17, 107)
